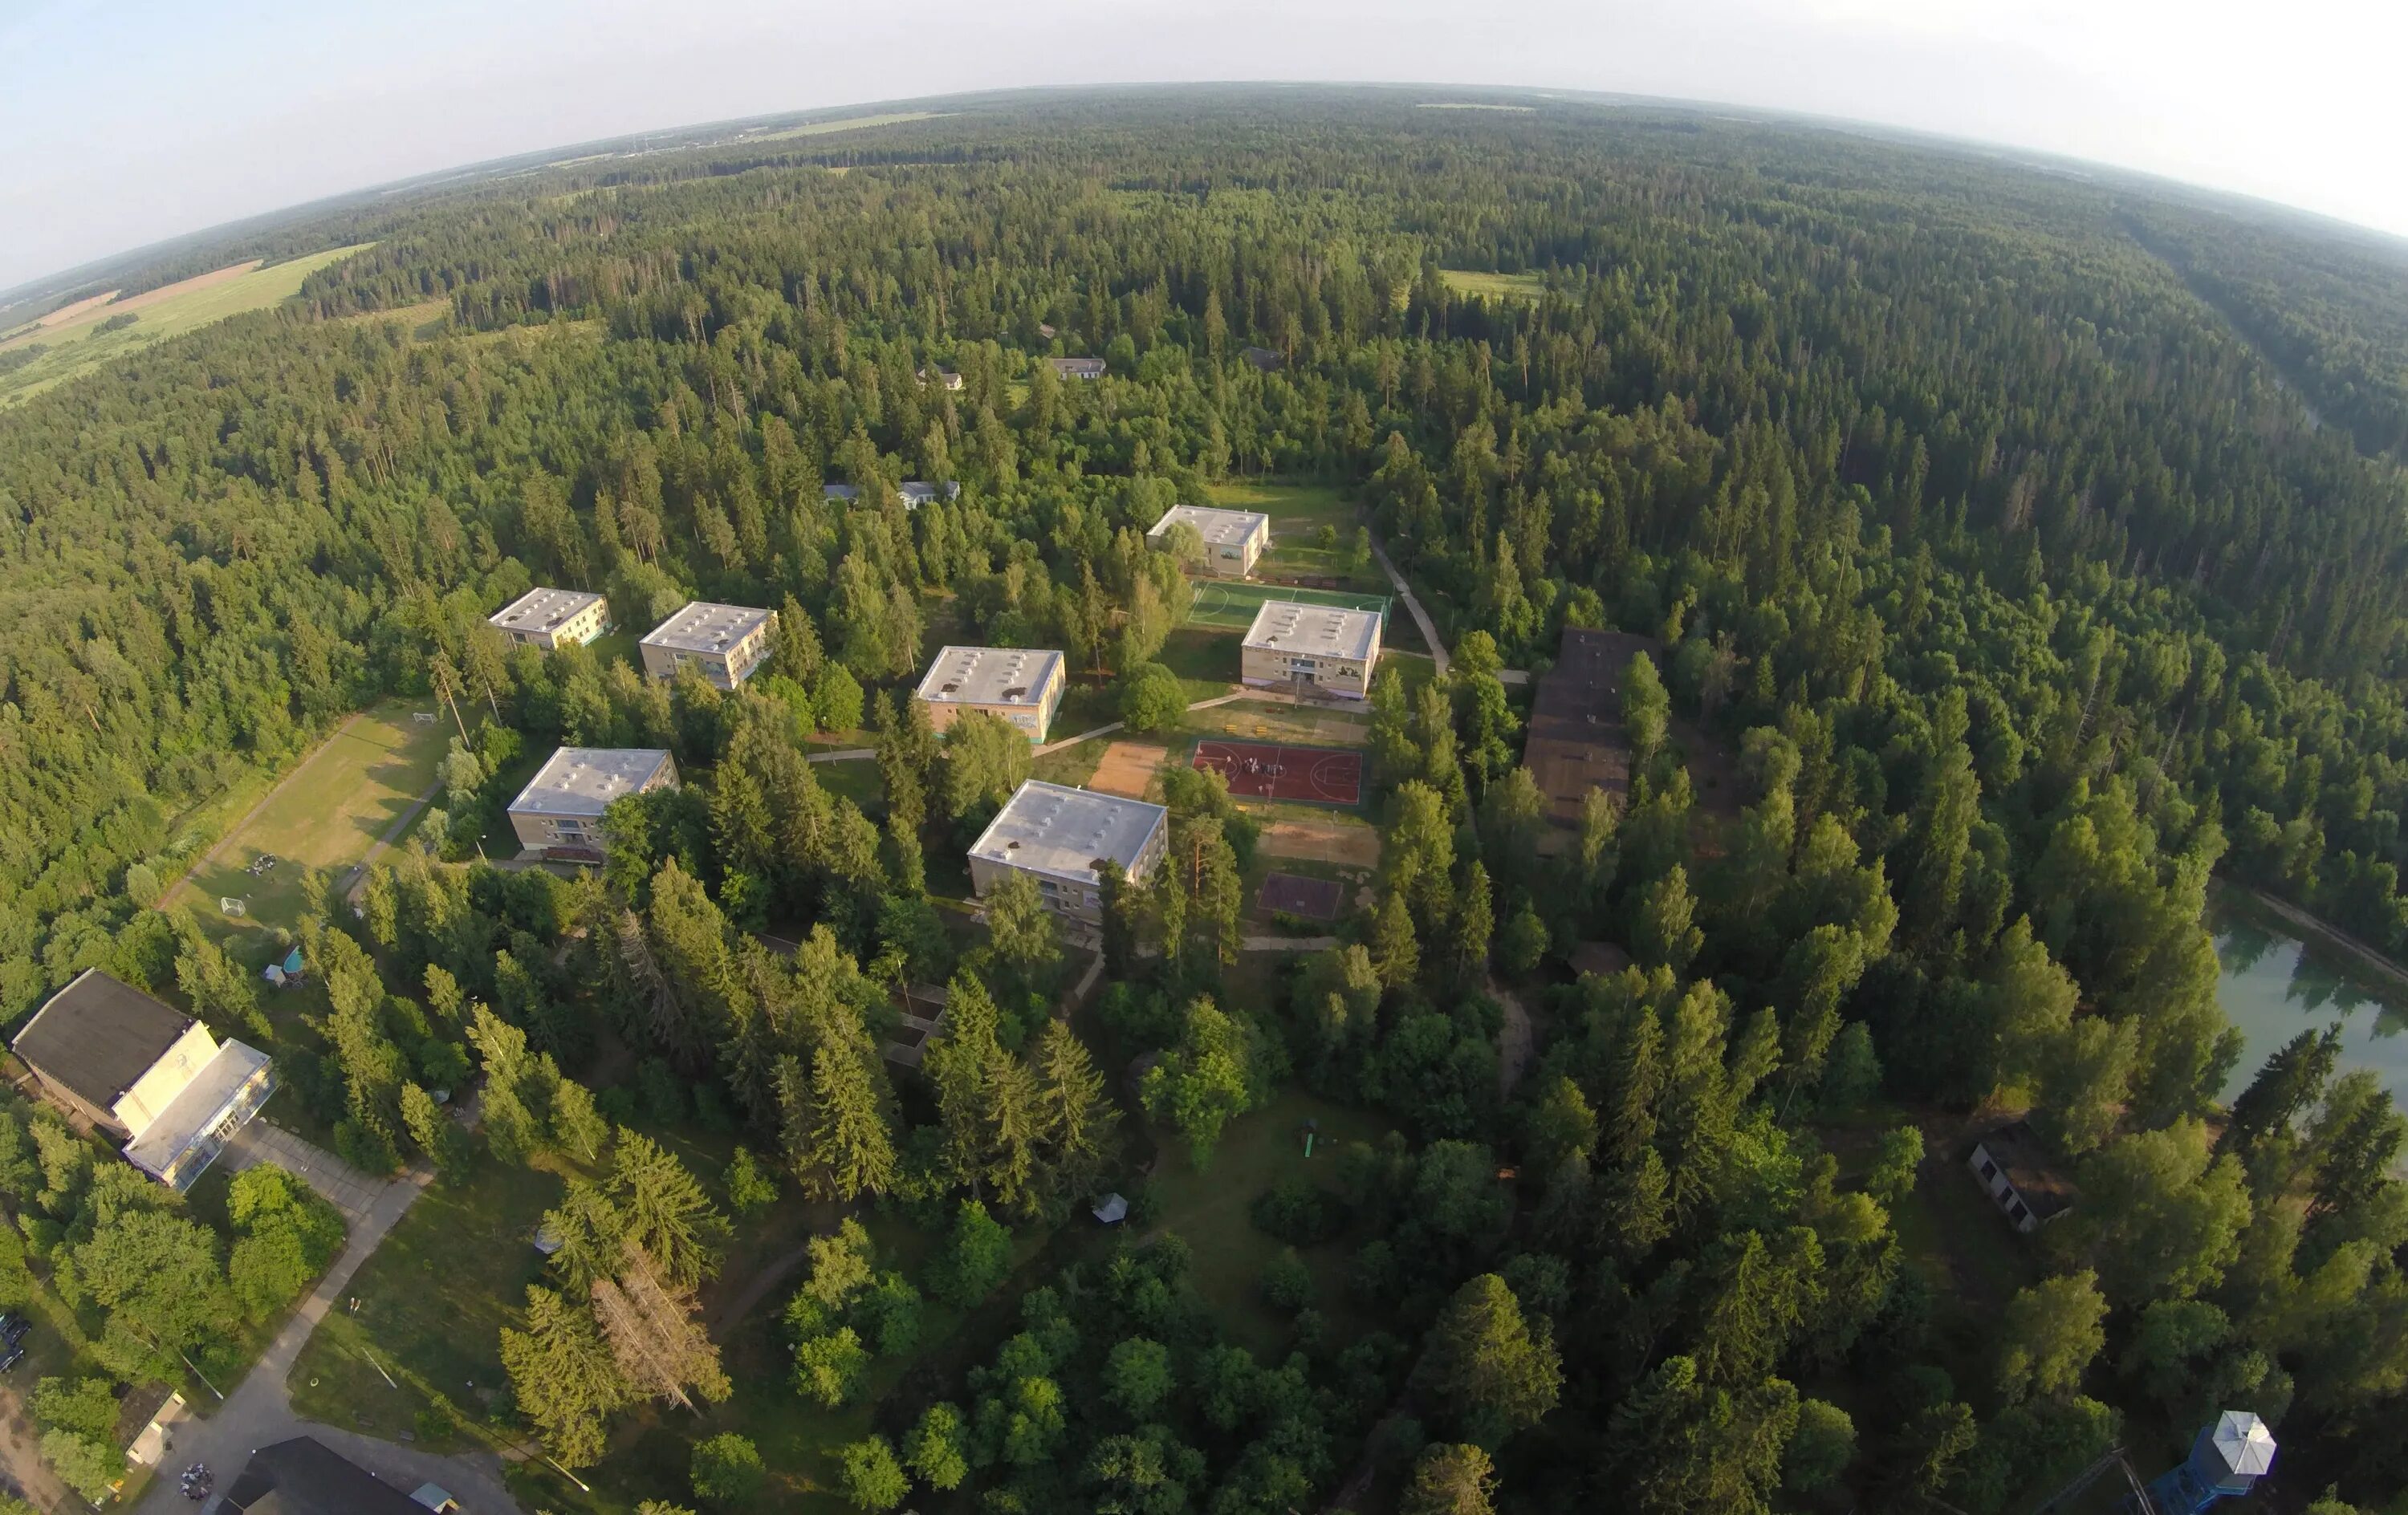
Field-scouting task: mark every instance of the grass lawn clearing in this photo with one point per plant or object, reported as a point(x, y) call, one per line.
point(1297, 512)
point(857, 780)
point(1073, 766)
point(325, 815)
point(434, 1299)
point(1263, 721)
point(1205, 658)
point(1210, 1209)
point(78, 346)
point(1495, 286)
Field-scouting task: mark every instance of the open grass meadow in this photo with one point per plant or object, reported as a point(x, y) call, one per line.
point(325, 815)
point(1210, 1209)
point(80, 344)
point(1301, 548)
point(1495, 286)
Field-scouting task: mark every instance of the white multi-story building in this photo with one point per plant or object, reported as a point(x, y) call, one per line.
point(1323, 646)
point(1022, 685)
point(1234, 540)
point(1062, 839)
point(552, 617)
point(559, 813)
point(145, 1072)
point(725, 641)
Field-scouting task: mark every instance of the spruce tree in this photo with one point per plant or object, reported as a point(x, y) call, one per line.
point(564, 1377)
point(667, 1213)
point(851, 1151)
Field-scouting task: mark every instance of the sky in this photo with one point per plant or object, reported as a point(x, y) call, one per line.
point(126, 121)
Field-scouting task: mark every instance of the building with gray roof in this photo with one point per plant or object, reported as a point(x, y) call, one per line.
point(1062, 837)
point(1021, 685)
point(552, 617)
point(725, 641)
point(559, 812)
point(1321, 647)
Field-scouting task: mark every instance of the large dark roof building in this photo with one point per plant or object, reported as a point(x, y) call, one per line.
point(146, 1073)
point(304, 1477)
point(96, 1037)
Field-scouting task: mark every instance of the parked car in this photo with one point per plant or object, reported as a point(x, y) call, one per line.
point(14, 1356)
point(13, 1328)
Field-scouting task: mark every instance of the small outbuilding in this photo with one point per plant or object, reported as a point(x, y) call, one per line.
point(2021, 1176)
point(1113, 1211)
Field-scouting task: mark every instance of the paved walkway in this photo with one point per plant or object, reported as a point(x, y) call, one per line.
point(1421, 616)
point(358, 873)
point(259, 1413)
point(850, 754)
point(345, 1187)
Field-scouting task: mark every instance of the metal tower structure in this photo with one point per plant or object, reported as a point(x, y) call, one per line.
point(2226, 1462)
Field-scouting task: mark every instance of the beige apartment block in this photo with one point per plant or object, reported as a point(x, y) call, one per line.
point(559, 813)
point(1234, 540)
point(725, 641)
point(553, 618)
point(1062, 837)
point(1022, 685)
point(1323, 647)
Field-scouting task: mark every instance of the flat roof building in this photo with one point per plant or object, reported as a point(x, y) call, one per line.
point(559, 813)
point(550, 618)
point(725, 641)
point(145, 1072)
point(1021, 685)
point(1233, 539)
point(1324, 647)
point(1061, 838)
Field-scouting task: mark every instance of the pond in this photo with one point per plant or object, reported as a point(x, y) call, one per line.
point(2275, 985)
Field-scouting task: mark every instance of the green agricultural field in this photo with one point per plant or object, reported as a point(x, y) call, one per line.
point(1495, 286)
point(326, 814)
point(850, 123)
point(82, 344)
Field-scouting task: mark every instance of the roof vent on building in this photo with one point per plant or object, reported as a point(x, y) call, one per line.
point(950, 689)
point(1015, 692)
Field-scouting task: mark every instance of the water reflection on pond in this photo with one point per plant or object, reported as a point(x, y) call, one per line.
point(2274, 986)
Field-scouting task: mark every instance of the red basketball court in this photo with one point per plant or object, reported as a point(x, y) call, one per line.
point(1262, 771)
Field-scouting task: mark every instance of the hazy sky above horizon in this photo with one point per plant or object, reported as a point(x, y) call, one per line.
point(131, 121)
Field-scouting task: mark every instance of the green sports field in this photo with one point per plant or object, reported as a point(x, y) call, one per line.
point(1231, 603)
point(325, 815)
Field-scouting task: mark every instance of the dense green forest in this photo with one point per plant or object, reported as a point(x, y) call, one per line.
point(2022, 596)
